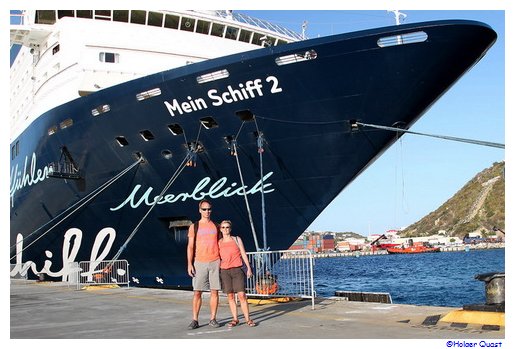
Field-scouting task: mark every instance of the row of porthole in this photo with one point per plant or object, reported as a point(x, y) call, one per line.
point(175, 129)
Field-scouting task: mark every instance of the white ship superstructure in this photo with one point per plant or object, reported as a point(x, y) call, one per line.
point(66, 54)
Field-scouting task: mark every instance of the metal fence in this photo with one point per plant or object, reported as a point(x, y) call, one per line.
point(281, 274)
point(115, 272)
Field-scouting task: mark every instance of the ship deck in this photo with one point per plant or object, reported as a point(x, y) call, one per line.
point(56, 310)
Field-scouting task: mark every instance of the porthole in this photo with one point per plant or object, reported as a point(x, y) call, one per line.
point(66, 123)
point(167, 154)
point(122, 141)
point(52, 130)
point(175, 129)
point(146, 135)
point(208, 122)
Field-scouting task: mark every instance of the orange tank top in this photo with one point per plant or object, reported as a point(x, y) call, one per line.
point(206, 246)
point(230, 254)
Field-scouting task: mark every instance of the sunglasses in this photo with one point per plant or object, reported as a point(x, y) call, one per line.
point(206, 209)
point(225, 227)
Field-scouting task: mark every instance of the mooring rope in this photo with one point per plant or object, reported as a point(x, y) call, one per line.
point(394, 129)
point(189, 156)
point(464, 140)
point(235, 153)
point(261, 144)
point(75, 207)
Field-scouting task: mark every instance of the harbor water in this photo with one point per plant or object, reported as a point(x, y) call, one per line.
point(434, 279)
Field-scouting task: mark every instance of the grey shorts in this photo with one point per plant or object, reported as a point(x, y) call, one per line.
point(207, 276)
point(233, 280)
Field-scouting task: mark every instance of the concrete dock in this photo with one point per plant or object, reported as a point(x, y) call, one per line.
point(55, 310)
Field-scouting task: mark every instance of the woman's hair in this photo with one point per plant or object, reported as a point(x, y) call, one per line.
point(226, 221)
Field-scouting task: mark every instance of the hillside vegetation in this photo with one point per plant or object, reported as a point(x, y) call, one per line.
point(477, 207)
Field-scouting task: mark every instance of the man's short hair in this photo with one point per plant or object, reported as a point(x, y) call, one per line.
point(204, 201)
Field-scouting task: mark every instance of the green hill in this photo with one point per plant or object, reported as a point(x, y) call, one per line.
point(477, 207)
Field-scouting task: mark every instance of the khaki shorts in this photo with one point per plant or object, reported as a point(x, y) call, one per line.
point(207, 276)
point(233, 280)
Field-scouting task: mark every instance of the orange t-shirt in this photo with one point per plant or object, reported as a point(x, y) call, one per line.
point(230, 255)
point(206, 246)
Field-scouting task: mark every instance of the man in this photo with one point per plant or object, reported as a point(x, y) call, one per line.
point(204, 263)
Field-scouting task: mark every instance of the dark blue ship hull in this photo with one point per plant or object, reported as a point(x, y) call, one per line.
point(312, 149)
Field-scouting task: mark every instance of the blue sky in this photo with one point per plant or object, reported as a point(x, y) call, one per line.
point(417, 174)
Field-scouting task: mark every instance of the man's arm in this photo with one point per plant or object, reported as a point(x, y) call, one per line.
point(190, 251)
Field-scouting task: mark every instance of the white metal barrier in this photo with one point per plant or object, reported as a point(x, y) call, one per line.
point(72, 278)
point(104, 273)
point(287, 273)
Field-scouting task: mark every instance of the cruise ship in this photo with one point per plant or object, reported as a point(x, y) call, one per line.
point(123, 120)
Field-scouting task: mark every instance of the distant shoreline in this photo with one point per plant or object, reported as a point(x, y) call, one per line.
point(460, 248)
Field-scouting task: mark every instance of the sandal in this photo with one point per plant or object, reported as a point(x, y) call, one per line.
point(233, 323)
point(251, 323)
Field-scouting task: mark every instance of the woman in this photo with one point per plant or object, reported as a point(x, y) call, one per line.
point(232, 256)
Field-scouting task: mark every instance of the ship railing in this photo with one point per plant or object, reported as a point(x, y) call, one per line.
point(108, 272)
point(281, 274)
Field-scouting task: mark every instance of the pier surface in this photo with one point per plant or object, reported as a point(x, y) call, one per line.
point(55, 310)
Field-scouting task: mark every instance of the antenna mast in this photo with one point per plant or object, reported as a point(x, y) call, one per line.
point(398, 14)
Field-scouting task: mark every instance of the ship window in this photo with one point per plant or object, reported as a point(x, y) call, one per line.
point(101, 109)
point(203, 27)
point(122, 141)
point(245, 35)
point(121, 16)
point(245, 115)
point(409, 38)
point(172, 22)
point(187, 24)
point(148, 94)
point(281, 42)
point(155, 19)
point(138, 17)
point(15, 150)
point(217, 75)
point(84, 14)
point(52, 130)
point(208, 122)
point(175, 129)
point(167, 154)
point(109, 57)
point(270, 42)
point(55, 49)
point(146, 135)
point(256, 38)
point(103, 15)
point(45, 17)
point(66, 123)
point(296, 57)
point(65, 13)
point(231, 33)
point(217, 30)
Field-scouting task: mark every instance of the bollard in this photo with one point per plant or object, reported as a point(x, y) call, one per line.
point(494, 287)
